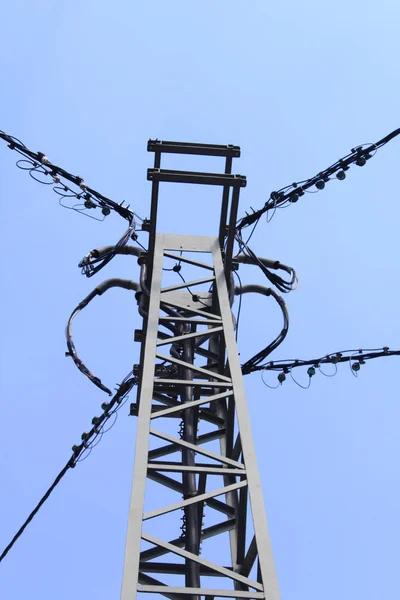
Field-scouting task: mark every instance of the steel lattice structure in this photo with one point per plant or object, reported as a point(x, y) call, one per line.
point(198, 381)
point(189, 372)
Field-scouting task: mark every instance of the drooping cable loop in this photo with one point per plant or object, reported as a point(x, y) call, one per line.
point(98, 291)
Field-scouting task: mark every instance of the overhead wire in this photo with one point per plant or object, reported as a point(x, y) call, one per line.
point(43, 171)
point(36, 509)
point(283, 285)
point(256, 362)
point(80, 451)
point(240, 305)
point(290, 194)
point(355, 358)
point(195, 297)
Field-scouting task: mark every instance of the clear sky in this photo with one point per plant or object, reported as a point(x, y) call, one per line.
point(296, 85)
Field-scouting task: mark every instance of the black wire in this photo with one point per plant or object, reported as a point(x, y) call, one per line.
point(74, 355)
point(190, 292)
point(21, 530)
point(54, 170)
point(281, 284)
point(88, 261)
point(335, 358)
point(252, 231)
point(141, 245)
point(80, 452)
point(113, 414)
point(41, 164)
point(291, 193)
point(255, 363)
point(240, 306)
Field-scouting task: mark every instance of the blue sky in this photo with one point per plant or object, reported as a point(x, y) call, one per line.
point(296, 85)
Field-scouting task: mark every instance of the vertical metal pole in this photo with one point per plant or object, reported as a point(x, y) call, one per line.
point(132, 551)
point(224, 206)
point(266, 559)
point(231, 234)
point(153, 218)
point(192, 574)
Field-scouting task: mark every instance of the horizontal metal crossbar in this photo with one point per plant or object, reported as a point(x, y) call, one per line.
point(197, 177)
point(167, 147)
point(205, 592)
point(207, 533)
point(195, 311)
point(194, 334)
point(171, 448)
point(190, 320)
point(211, 470)
point(198, 449)
point(189, 261)
point(186, 284)
point(175, 568)
point(217, 384)
point(204, 413)
point(193, 367)
point(183, 406)
point(213, 503)
point(202, 561)
point(199, 498)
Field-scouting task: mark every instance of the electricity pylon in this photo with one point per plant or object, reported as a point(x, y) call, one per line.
point(211, 467)
point(199, 382)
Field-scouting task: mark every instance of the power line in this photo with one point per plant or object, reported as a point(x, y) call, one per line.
point(281, 284)
point(291, 193)
point(355, 358)
point(82, 198)
point(88, 443)
point(21, 530)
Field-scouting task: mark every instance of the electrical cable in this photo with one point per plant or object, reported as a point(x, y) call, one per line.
point(355, 358)
point(255, 363)
point(37, 163)
point(36, 509)
point(240, 305)
point(79, 451)
point(39, 160)
point(98, 291)
point(271, 387)
point(304, 387)
point(328, 374)
point(291, 193)
point(87, 263)
point(195, 297)
point(266, 265)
